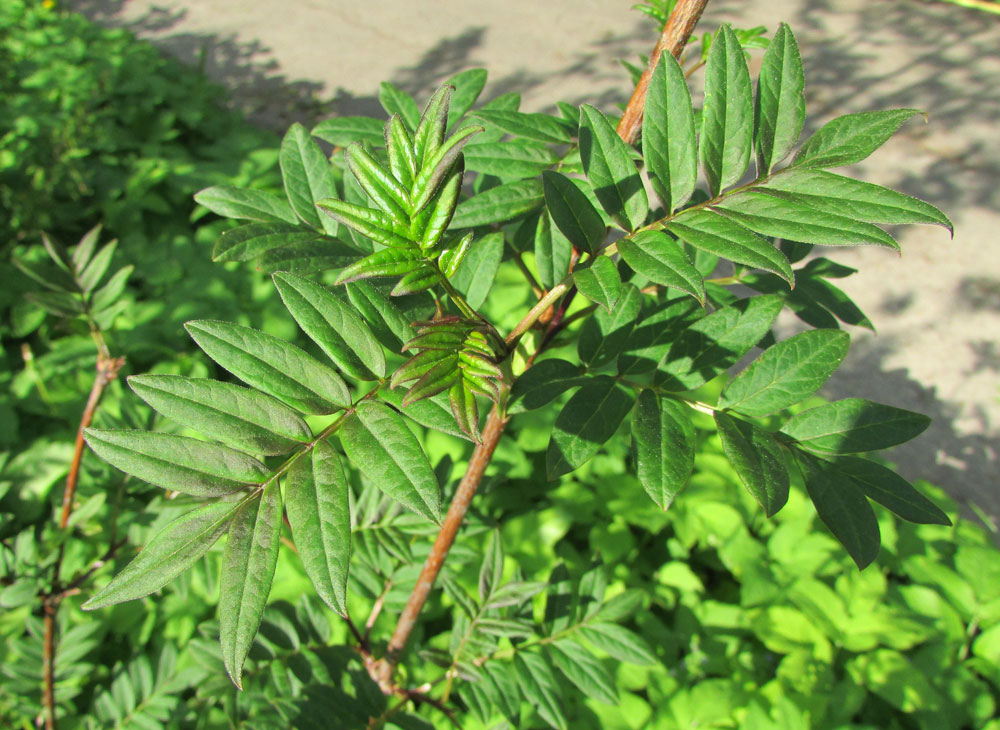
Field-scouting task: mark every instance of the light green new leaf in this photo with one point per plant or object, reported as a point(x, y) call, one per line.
point(716, 342)
point(604, 335)
point(341, 131)
point(784, 218)
point(853, 425)
point(332, 325)
point(434, 412)
point(379, 184)
point(850, 138)
point(586, 422)
point(662, 260)
point(890, 490)
point(171, 551)
point(468, 86)
point(186, 465)
point(318, 509)
point(720, 236)
point(600, 282)
point(247, 570)
point(757, 459)
point(255, 205)
point(499, 205)
point(572, 212)
point(668, 141)
point(786, 373)
point(509, 160)
point(844, 509)
point(388, 322)
point(553, 252)
point(374, 224)
point(387, 262)
point(307, 177)
point(272, 365)
point(619, 642)
point(399, 150)
point(396, 101)
point(439, 167)
point(781, 105)
point(537, 682)
point(611, 171)
point(538, 127)
point(727, 117)
point(474, 276)
point(663, 443)
point(863, 201)
point(380, 444)
point(582, 669)
point(238, 416)
point(251, 240)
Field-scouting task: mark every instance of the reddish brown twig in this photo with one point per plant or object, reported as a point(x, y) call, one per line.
point(107, 371)
point(673, 39)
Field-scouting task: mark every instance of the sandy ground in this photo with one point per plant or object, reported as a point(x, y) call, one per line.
point(937, 309)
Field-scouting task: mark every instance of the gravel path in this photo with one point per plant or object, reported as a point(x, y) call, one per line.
point(937, 309)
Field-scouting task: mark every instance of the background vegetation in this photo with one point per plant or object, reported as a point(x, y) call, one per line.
point(737, 620)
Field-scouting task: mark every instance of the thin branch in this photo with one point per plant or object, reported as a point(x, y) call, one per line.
point(673, 39)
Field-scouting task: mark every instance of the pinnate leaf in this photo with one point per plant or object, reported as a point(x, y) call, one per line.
point(537, 682)
point(171, 551)
point(663, 444)
point(786, 373)
point(844, 509)
point(608, 165)
point(257, 205)
point(474, 277)
point(499, 205)
point(539, 127)
point(248, 564)
point(853, 425)
point(341, 131)
point(662, 260)
point(668, 141)
point(317, 504)
point(600, 282)
point(186, 465)
point(727, 117)
point(886, 487)
point(781, 105)
point(850, 138)
point(757, 459)
point(572, 212)
point(251, 240)
point(619, 642)
point(586, 422)
point(582, 669)
point(308, 178)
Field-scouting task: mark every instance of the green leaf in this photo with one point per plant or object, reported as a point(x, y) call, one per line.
point(468, 86)
point(786, 373)
point(399, 150)
point(720, 236)
point(374, 224)
point(378, 183)
point(171, 551)
point(757, 459)
point(499, 205)
point(389, 323)
point(186, 465)
point(514, 159)
point(850, 138)
point(795, 221)
point(582, 669)
point(586, 422)
point(845, 510)
point(572, 212)
point(781, 105)
point(474, 277)
point(553, 252)
point(82, 253)
point(247, 571)
point(235, 415)
point(537, 682)
point(542, 383)
point(600, 282)
point(387, 262)
point(714, 343)
point(604, 335)
point(608, 164)
point(256, 205)
point(853, 425)
point(662, 260)
point(317, 504)
point(539, 127)
point(272, 365)
point(97, 267)
point(251, 240)
point(727, 117)
point(396, 101)
point(380, 444)
point(888, 489)
point(430, 131)
point(436, 169)
point(514, 594)
point(491, 570)
point(108, 294)
point(434, 412)
point(619, 642)
point(831, 193)
point(661, 322)
point(308, 178)
point(418, 280)
point(668, 142)
point(341, 131)
point(333, 326)
point(663, 444)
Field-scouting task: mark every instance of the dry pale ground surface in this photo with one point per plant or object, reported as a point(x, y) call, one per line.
point(937, 309)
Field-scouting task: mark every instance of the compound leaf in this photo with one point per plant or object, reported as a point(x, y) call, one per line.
point(600, 282)
point(781, 105)
point(663, 444)
point(586, 422)
point(668, 141)
point(727, 117)
point(608, 165)
point(662, 260)
point(757, 459)
point(853, 425)
point(308, 178)
point(850, 138)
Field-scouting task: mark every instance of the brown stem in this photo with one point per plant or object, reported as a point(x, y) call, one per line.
point(673, 39)
point(107, 370)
